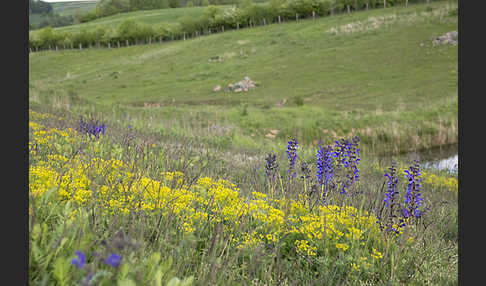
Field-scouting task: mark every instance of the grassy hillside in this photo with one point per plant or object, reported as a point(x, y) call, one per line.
point(172, 15)
point(70, 8)
point(375, 74)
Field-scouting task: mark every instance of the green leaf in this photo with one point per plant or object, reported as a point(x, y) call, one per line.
point(178, 282)
point(61, 271)
point(174, 282)
point(123, 272)
point(126, 282)
point(158, 277)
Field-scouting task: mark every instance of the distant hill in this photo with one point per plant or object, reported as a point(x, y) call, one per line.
point(59, 13)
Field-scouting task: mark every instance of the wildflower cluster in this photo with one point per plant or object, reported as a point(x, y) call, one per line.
point(437, 181)
point(113, 185)
point(397, 215)
point(393, 223)
point(92, 127)
point(347, 154)
point(79, 261)
point(324, 168)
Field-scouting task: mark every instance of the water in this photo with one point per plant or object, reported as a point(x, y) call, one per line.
point(450, 164)
point(442, 158)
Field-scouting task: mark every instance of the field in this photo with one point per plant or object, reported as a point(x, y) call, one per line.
point(141, 174)
point(399, 95)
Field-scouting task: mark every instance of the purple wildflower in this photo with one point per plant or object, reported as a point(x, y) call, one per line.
point(392, 191)
point(347, 154)
point(413, 197)
point(271, 165)
point(324, 166)
point(92, 127)
point(292, 156)
point(80, 261)
point(113, 260)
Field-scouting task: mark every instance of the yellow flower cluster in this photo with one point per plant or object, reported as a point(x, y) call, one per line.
point(440, 182)
point(303, 247)
point(251, 221)
point(39, 116)
point(429, 178)
point(376, 254)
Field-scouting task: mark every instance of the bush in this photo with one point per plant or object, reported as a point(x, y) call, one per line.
point(188, 24)
point(47, 37)
point(34, 41)
point(88, 16)
point(128, 31)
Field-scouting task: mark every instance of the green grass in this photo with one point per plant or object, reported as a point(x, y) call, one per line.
point(388, 85)
point(71, 8)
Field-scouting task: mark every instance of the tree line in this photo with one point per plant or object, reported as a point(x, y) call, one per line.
point(214, 19)
point(111, 7)
point(39, 7)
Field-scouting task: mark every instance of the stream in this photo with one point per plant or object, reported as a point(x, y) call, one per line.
point(440, 158)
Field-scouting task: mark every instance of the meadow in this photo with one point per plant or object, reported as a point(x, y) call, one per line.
point(111, 206)
point(389, 85)
point(141, 174)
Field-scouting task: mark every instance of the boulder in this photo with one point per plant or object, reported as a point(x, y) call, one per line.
point(243, 85)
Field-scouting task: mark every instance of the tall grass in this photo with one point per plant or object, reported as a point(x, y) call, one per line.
point(126, 208)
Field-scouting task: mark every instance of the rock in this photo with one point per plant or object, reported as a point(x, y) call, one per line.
point(449, 38)
point(274, 131)
point(217, 88)
point(243, 85)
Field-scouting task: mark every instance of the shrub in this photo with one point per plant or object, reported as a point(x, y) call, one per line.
point(128, 31)
point(49, 37)
point(188, 24)
point(88, 16)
